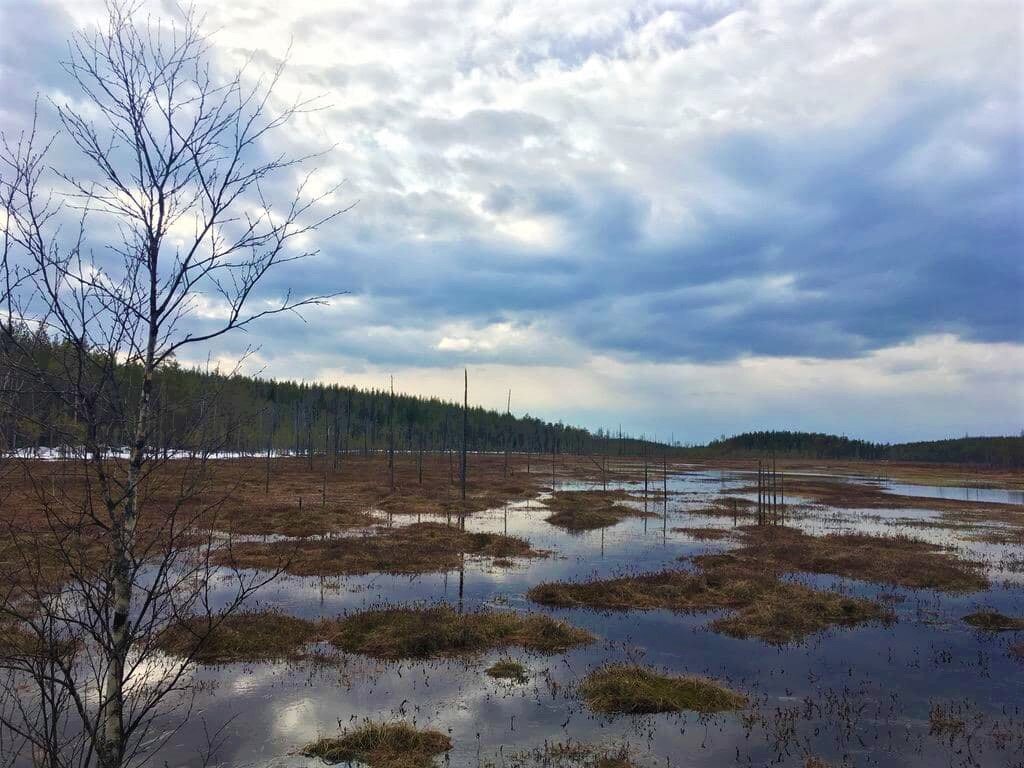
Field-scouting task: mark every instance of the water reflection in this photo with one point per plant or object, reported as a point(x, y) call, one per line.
point(864, 692)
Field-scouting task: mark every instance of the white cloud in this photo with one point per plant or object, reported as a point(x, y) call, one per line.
point(607, 206)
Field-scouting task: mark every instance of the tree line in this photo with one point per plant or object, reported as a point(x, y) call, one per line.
point(250, 415)
point(990, 451)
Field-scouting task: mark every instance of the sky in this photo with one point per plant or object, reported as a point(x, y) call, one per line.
point(684, 219)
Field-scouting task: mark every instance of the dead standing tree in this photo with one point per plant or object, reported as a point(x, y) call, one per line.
point(465, 438)
point(179, 174)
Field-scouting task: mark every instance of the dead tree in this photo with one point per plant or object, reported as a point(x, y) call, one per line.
point(508, 429)
point(465, 434)
point(391, 437)
point(178, 172)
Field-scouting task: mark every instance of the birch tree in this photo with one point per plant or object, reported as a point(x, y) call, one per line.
point(178, 212)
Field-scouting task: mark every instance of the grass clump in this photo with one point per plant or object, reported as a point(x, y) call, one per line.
point(589, 510)
point(507, 669)
point(993, 621)
point(421, 633)
point(633, 690)
point(704, 534)
point(416, 548)
point(793, 611)
point(568, 755)
point(382, 745)
point(766, 607)
point(1017, 651)
point(248, 636)
point(881, 559)
point(22, 642)
point(285, 518)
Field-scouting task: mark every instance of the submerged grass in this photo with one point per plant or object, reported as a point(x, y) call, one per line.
point(415, 548)
point(421, 633)
point(630, 689)
point(507, 669)
point(993, 621)
point(382, 745)
point(589, 510)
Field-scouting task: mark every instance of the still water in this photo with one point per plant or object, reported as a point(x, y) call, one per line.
point(857, 696)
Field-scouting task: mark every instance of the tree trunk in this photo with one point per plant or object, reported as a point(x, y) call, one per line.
point(122, 541)
point(465, 431)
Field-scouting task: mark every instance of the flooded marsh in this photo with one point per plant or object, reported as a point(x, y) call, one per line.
point(678, 634)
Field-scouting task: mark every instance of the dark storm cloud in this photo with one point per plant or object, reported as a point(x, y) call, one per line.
point(829, 239)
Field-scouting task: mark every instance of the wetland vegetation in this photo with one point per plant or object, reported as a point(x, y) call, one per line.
point(405, 593)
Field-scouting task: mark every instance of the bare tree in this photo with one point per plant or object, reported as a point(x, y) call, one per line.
point(179, 196)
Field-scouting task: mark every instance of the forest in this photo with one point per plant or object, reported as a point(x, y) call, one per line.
point(252, 415)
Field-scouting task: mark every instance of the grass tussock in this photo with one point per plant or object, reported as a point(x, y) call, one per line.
point(1017, 651)
point(704, 534)
point(415, 548)
point(421, 633)
point(382, 745)
point(507, 669)
point(1004, 536)
point(790, 612)
point(24, 643)
point(567, 755)
point(248, 636)
point(946, 722)
point(993, 621)
point(895, 560)
point(286, 519)
point(630, 689)
point(729, 506)
point(589, 510)
point(765, 607)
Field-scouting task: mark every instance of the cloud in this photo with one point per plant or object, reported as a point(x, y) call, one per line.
point(657, 186)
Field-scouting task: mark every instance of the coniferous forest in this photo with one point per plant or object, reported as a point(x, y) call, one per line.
point(254, 415)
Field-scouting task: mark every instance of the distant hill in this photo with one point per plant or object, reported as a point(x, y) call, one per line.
point(992, 451)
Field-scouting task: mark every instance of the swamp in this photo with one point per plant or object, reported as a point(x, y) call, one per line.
point(570, 612)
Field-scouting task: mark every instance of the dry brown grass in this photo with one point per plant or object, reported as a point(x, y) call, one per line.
point(414, 548)
point(993, 621)
point(233, 494)
point(1010, 536)
point(588, 510)
point(772, 610)
point(391, 634)
point(633, 690)
point(945, 722)
point(881, 559)
point(264, 636)
point(790, 612)
point(566, 755)
point(21, 642)
point(507, 669)
point(704, 534)
point(421, 633)
point(855, 495)
point(382, 745)
point(921, 473)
